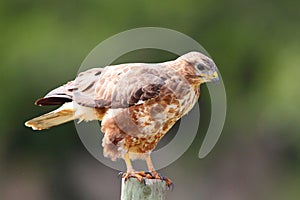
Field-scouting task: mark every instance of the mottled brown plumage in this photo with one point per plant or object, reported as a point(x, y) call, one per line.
point(137, 103)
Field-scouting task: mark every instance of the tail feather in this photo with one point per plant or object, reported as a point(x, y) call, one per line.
point(59, 116)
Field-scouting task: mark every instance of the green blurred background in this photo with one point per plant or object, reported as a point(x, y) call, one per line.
point(256, 45)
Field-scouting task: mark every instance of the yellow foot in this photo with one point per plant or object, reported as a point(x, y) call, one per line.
point(141, 176)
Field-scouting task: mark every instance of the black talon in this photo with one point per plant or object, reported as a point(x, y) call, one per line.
point(149, 173)
point(144, 181)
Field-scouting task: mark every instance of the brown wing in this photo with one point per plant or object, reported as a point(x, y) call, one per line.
point(111, 87)
point(120, 86)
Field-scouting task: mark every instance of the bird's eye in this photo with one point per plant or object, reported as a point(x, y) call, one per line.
point(201, 67)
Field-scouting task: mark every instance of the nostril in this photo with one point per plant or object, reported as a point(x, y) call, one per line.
point(214, 74)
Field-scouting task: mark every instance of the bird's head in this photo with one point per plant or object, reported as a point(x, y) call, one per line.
point(206, 69)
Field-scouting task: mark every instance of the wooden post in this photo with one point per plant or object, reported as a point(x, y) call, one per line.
point(154, 189)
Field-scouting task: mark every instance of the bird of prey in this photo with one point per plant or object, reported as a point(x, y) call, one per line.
point(137, 103)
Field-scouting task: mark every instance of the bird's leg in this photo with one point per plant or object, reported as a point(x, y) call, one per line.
point(131, 172)
point(149, 163)
point(128, 163)
point(154, 173)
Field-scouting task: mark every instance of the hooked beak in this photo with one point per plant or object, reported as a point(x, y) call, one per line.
point(215, 77)
point(211, 77)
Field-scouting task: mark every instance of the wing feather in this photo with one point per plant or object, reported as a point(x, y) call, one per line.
point(119, 86)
